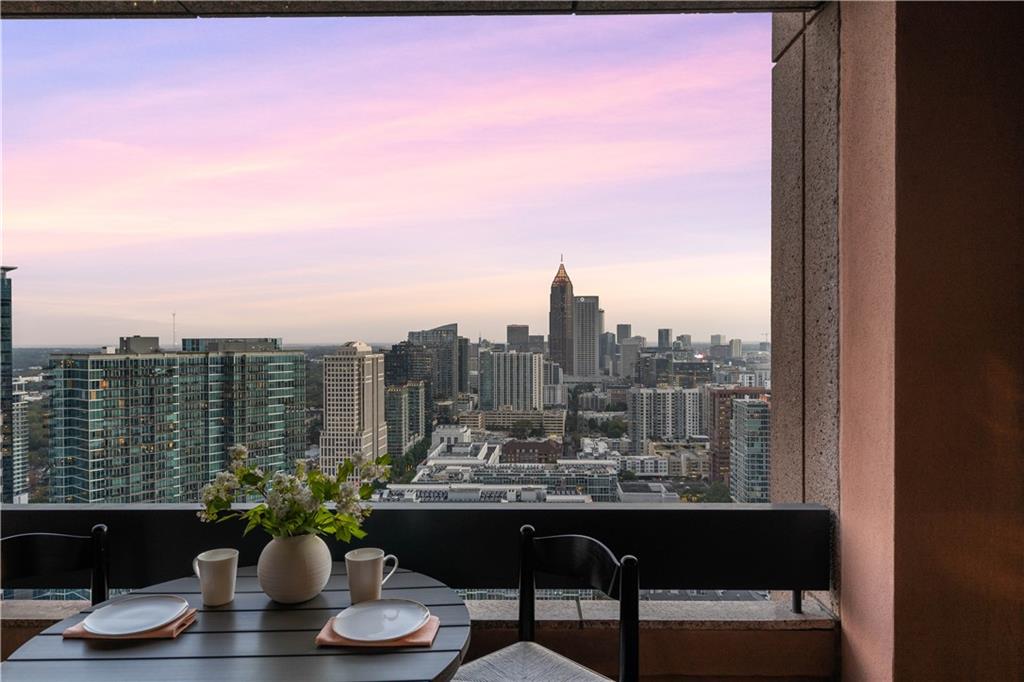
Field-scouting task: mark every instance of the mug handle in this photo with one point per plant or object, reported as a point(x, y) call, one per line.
point(393, 569)
point(195, 566)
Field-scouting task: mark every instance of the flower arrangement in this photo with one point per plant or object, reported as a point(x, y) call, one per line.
point(295, 504)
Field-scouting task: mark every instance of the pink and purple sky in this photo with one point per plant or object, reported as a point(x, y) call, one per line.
point(329, 179)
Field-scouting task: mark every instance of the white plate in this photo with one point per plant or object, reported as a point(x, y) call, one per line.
point(381, 620)
point(135, 614)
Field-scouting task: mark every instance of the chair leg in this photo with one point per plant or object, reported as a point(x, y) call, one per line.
point(798, 601)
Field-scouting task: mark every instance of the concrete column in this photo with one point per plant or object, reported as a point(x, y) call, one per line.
point(805, 306)
point(931, 238)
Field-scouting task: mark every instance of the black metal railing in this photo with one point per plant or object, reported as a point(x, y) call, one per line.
point(679, 546)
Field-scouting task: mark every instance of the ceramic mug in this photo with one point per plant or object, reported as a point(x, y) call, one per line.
point(365, 568)
point(216, 570)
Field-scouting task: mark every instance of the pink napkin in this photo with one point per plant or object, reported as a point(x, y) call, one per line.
point(422, 637)
point(169, 631)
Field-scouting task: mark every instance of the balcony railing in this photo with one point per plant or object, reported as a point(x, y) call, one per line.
point(680, 546)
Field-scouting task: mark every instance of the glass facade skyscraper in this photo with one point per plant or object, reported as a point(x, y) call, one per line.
point(13, 438)
point(750, 460)
point(155, 427)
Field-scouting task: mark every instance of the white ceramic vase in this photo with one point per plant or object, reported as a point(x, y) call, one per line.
point(294, 569)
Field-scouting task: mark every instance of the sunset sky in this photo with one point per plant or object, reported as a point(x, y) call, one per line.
point(323, 180)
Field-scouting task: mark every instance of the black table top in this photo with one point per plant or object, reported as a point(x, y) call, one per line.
point(253, 638)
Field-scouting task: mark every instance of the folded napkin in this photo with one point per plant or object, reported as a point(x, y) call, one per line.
point(169, 631)
point(422, 637)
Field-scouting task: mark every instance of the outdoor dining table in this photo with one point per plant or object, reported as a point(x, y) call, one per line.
point(253, 638)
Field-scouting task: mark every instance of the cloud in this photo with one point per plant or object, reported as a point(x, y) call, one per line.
point(333, 160)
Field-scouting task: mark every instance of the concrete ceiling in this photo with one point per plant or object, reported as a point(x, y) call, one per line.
point(183, 9)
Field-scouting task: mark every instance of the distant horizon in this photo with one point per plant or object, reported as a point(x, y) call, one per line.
point(363, 177)
point(300, 345)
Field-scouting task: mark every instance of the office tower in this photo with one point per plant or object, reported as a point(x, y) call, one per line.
point(443, 343)
point(735, 349)
point(606, 350)
point(658, 414)
point(560, 324)
point(664, 339)
point(517, 337)
point(511, 380)
point(141, 425)
point(685, 341)
point(463, 364)
point(715, 422)
point(354, 425)
point(623, 332)
point(764, 346)
point(629, 355)
point(717, 339)
point(586, 322)
point(750, 451)
point(537, 344)
point(13, 442)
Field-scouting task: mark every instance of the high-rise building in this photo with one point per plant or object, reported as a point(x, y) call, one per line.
point(606, 350)
point(664, 339)
point(657, 414)
point(463, 362)
point(419, 415)
point(685, 341)
point(404, 408)
point(443, 343)
point(629, 355)
point(396, 414)
point(560, 323)
point(716, 419)
point(750, 451)
point(735, 349)
point(142, 425)
point(537, 344)
point(511, 380)
point(717, 339)
point(13, 449)
point(517, 337)
point(586, 333)
point(407, 362)
point(354, 425)
point(623, 332)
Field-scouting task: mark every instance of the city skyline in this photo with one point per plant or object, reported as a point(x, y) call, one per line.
point(332, 188)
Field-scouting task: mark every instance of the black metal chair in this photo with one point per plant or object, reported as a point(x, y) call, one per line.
point(593, 564)
point(57, 560)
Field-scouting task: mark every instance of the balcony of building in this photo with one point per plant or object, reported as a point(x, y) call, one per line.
point(897, 289)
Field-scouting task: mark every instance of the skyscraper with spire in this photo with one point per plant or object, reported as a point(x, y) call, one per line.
point(560, 333)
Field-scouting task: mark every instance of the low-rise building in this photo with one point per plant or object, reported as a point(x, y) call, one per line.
point(645, 491)
point(532, 451)
point(550, 422)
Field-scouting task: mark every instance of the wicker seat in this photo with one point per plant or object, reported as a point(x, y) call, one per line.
point(525, 662)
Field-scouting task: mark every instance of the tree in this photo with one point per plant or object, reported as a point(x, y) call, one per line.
point(521, 429)
point(717, 492)
point(627, 475)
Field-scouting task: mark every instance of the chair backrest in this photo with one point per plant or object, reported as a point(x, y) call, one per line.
point(591, 563)
point(62, 560)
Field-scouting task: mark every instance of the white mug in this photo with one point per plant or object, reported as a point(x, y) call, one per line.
point(365, 568)
point(216, 570)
